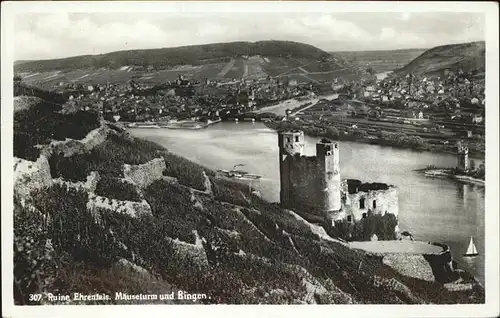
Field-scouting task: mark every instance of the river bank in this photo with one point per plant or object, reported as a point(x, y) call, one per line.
point(188, 125)
point(394, 140)
point(450, 174)
point(280, 108)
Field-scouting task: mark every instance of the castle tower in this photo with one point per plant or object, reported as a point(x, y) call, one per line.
point(463, 157)
point(290, 143)
point(327, 153)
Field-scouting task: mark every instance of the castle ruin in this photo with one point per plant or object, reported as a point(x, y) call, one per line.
point(312, 186)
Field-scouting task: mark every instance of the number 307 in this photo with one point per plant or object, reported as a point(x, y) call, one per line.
point(35, 297)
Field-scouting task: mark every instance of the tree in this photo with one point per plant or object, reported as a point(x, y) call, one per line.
point(370, 70)
point(332, 132)
point(472, 165)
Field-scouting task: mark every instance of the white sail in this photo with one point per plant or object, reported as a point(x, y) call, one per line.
point(471, 250)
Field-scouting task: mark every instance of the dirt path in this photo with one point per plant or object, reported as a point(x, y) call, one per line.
point(227, 68)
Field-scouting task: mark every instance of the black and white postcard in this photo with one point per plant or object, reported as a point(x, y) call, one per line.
point(325, 157)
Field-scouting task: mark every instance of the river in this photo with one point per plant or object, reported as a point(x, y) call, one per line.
point(432, 209)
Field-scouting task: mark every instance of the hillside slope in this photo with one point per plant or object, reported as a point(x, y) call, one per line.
point(381, 61)
point(470, 57)
point(97, 210)
point(215, 61)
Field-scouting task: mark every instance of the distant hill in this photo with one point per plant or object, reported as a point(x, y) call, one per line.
point(380, 61)
point(284, 59)
point(465, 56)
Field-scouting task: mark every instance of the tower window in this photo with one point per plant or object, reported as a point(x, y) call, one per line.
point(364, 215)
point(349, 218)
point(336, 145)
point(296, 138)
point(374, 204)
point(287, 139)
point(362, 203)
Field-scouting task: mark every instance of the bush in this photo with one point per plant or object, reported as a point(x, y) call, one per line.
point(231, 192)
point(72, 227)
point(175, 213)
point(33, 255)
point(107, 158)
point(43, 123)
point(186, 172)
point(382, 226)
point(115, 188)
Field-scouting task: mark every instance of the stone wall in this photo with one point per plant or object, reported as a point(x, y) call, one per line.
point(414, 266)
point(130, 208)
point(145, 174)
point(193, 252)
point(386, 201)
point(442, 265)
point(70, 147)
point(90, 185)
point(31, 175)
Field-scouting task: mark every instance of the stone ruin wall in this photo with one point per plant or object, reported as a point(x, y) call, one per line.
point(145, 174)
point(386, 202)
point(30, 176)
point(70, 147)
point(133, 209)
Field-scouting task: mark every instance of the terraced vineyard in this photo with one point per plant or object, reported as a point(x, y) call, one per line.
point(278, 59)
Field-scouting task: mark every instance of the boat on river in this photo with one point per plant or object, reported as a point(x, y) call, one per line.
point(471, 250)
point(238, 174)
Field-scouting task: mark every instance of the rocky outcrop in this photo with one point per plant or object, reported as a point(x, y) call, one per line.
point(31, 175)
point(208, 184)
point(130, 208)
point(145, 174)
point(25, 102)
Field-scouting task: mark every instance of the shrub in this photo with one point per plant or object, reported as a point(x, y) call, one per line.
point(33, 255)
point(186, 172)
point(362, 230)
point(72, 227)
point(42, 123)
point(231, 192)
point(115, 188)
point(107, 158)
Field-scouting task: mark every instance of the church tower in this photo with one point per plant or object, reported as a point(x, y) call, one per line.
point(290, 143)
point(327, 153)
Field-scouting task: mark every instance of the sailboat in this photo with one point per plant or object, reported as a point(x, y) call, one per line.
point(471, 250)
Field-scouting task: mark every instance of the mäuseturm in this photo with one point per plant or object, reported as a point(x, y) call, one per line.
point(312, 186)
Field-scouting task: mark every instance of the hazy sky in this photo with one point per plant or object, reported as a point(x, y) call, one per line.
point(44, 36)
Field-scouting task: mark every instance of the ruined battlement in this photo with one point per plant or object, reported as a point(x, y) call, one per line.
point(312, 184)
point(355, 186)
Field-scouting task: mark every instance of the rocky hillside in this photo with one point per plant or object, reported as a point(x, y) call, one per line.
point(214, 61)
point(470, 57)
point(98, 211)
